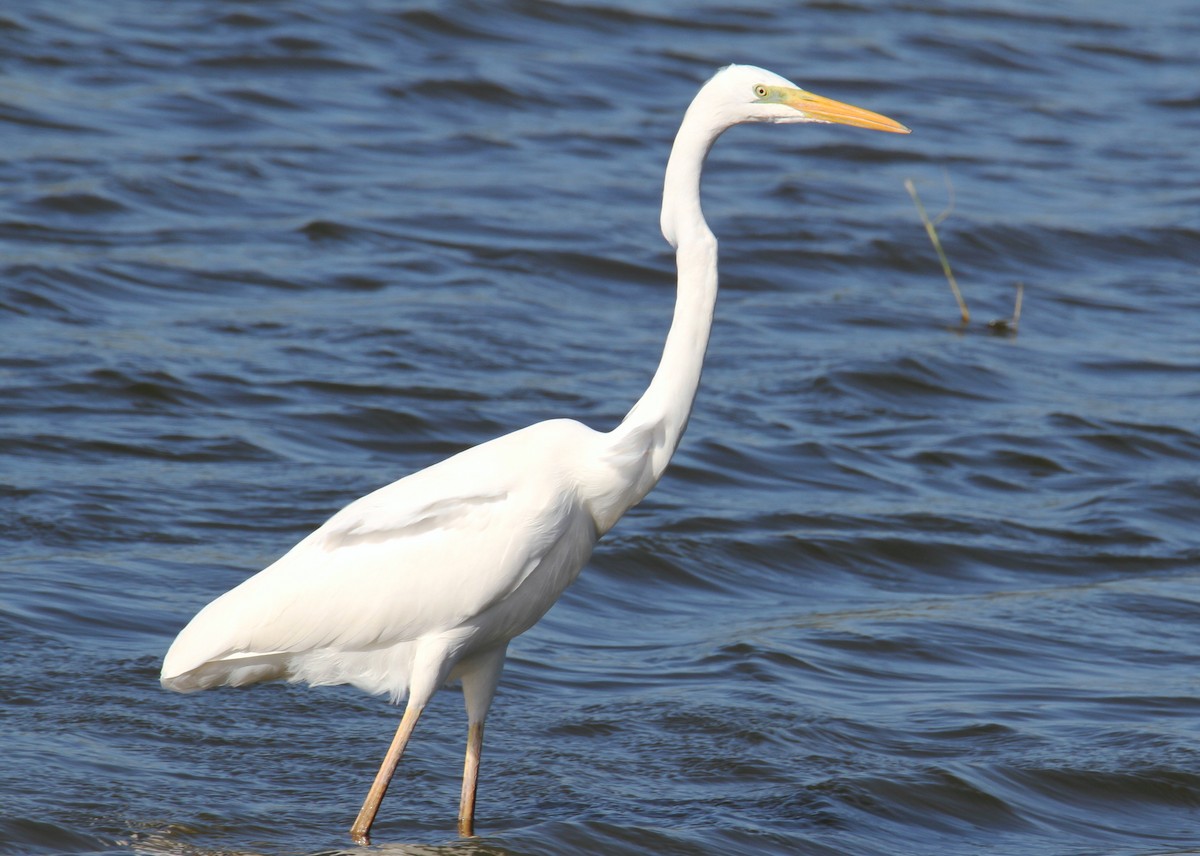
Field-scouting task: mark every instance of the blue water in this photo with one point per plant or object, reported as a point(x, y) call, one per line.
point(909, 587)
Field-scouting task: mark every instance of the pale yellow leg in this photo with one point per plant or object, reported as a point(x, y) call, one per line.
point(370, 807)
point(466, 807)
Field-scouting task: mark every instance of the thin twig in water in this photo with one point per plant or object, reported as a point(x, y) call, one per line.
point(937, 246)
point(1008, 326)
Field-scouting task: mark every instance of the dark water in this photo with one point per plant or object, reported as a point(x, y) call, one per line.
point(908, 588)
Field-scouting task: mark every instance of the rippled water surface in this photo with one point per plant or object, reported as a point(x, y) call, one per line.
point(909, 587)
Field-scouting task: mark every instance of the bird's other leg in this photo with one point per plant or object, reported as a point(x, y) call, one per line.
point(466, 806)
point(370, 807)
point(479, 679)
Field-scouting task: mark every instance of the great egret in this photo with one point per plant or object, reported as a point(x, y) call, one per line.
point(427, 579)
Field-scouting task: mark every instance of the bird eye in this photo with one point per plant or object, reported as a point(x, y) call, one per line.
point(760, 91)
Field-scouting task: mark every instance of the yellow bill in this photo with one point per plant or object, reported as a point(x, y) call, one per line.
point(821, 109)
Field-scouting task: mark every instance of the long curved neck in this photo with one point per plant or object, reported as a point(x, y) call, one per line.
point(650, 433)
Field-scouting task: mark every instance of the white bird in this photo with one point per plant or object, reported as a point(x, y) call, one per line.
point(426, 580)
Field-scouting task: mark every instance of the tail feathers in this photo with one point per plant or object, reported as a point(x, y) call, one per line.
point(379, 671)
point(233, 671)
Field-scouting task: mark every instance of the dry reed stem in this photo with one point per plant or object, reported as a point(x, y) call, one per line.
point(937, 246)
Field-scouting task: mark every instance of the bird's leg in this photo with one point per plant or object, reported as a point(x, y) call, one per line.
point(479, 679)
point(366, 815)
point(466, 806)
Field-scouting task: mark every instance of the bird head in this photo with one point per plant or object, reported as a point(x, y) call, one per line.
point(746, 93)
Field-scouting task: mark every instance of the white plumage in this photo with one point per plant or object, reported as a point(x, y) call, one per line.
point(428, 578)
point(454, 559)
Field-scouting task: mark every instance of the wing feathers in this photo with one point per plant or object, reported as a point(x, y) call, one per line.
point(377, 523)
point(424, 555)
